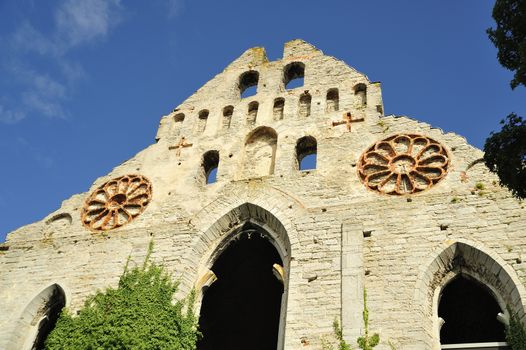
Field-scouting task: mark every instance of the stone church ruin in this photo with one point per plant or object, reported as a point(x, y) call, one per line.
point(276, 249)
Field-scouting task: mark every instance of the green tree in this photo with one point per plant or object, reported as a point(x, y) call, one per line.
point(510, 37)
point(505, 154)
point(138, 314)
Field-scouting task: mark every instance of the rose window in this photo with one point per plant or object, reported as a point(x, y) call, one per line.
point(116, 202)
point(403, 164)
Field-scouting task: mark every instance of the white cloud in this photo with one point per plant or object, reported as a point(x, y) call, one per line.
point(76, 24)
point(38, 102)
point(80, 22)
point(27, 38)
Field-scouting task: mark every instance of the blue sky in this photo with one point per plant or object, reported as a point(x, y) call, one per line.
point(83, 84)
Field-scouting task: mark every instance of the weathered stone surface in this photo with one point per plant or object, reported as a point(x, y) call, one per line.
point(335, 235)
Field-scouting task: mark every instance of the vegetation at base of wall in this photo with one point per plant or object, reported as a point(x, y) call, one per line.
point(516, 333)
point(138, 314)
point(338, 334)
point(367, 342)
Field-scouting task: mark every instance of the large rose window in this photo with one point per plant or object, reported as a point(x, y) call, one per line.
point(403, 164)
point(116, 202)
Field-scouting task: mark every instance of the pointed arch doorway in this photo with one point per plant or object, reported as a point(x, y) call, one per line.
point(38, 319)
point(243, 308)
point(470, 315)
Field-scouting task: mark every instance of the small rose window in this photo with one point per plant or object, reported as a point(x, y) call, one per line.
point(403, 164)
point(116, 202)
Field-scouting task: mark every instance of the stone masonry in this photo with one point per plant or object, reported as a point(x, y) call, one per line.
point(392, 217)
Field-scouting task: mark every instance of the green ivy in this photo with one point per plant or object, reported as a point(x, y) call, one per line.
point(367, 342)
point(516, 334)
point(138, 314)
point(338, 332)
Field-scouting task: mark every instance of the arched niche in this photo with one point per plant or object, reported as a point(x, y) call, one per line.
point(38, 319)
point(260, 152)
point(468, 260)
point(246, 249)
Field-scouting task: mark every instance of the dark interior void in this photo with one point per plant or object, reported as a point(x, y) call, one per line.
point(470, 314)
point(50, 316)
point(241, 310)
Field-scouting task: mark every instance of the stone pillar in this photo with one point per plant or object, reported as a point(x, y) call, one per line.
point(352, 281)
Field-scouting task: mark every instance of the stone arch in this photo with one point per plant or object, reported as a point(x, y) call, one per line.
point(212, 243)
point(306, 147)
point(260, 152)
point(473, 261)
point(38, 319)
point(360, 93)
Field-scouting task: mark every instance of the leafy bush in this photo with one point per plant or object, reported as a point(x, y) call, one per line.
point(138, 314)
point(516, 334)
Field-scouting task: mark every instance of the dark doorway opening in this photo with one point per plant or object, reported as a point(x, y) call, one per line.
point(241, 310)
point(470, 313)
point(49, 316)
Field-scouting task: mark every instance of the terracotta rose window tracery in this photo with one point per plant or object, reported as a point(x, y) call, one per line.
point(403, 164)
point(116, 202)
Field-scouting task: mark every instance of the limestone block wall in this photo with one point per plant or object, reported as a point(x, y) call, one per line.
point(336, 236)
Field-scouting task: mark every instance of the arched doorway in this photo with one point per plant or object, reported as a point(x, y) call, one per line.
point(469, 313)
point(241, 309)
point(39, 319)
point(467, 271)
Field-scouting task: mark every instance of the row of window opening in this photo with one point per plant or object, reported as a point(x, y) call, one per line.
point(304, 110)
point(306, 158)
point(293, 77)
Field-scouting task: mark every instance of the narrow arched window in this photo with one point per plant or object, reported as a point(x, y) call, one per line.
point(306, 153)
point(248, 83)
point(279, 106)
point(294, 75)
point(178, 123)
point(201, 120)
point(252, 112)
point(304, 106)
point(227, 116)
point(210, 165)
point(360, 91)
point(333, 100)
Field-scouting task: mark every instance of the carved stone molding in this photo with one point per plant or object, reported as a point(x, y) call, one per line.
point(403, 164)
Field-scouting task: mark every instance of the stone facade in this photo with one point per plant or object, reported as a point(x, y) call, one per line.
point(336, 236)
